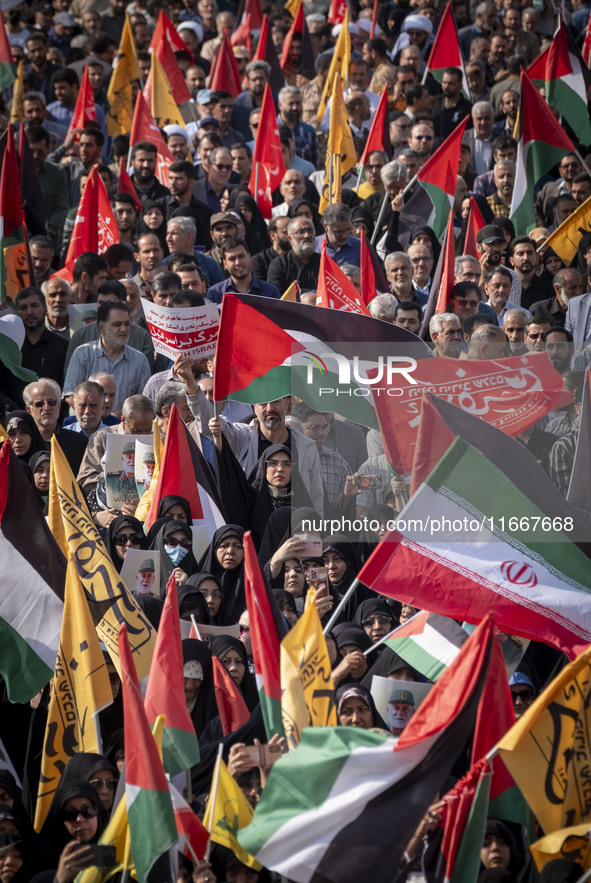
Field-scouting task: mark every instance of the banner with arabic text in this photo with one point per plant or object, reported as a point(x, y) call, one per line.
point(183, 331)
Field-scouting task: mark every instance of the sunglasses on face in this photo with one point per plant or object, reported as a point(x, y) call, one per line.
point(51, 403)
point(121, 539)
point(70, 813)
point(111, 784)
point(171, 541)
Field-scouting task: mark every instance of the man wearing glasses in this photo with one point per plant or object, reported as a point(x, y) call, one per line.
point(43, 399)
point(210, 189)
point(523, 693)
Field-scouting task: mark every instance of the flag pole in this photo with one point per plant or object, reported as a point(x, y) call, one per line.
point(376, 231)
point(359, 177)
point(330, 178)
point(214, 795)
point(586, 876)
point(340, 606)
point(583, 163)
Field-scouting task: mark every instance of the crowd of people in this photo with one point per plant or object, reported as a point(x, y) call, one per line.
point(276, 466)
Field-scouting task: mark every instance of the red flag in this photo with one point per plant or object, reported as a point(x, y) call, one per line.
point(525, 388)
point(242, 36)
point(193, 835)
point(225, 75)
point(84, 109)
point(368, 277)
point(144, 128)
point(374, 19)
point(165, 693)
point(459, 805)
point(252, 8)
point(379, 134)
point(448, 266)
point(537, 69)
point(231, 705)
point(268, 166)
point(335, 290)
point(165, 31)
point(95, 228)
point(446, 50)
point(176, 470)
point(337, 10)
point(167, 58)
point(266, 631)
point(16, 271)
point(266, 51)
point(299, 26)
point(125, 184)
point(586, 51)
point(474, 223)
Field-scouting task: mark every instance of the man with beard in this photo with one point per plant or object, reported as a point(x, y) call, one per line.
point(559, 348)
point(449, 108)
point(43, 352)
point(144, 180)
point(301, 264)
point(504, 178)
point(236, 262)
point(514, 328)
point(523, 258)
point(146, 575)
point(280, 246)
point(446, 334)
point(401, 708)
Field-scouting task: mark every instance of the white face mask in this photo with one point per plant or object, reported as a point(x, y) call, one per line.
point(193, 670)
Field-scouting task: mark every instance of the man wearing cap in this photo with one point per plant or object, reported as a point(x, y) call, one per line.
point(401, 708)
point(146, 575)
point(222, 226)
point(149, 464)
point(492, 242)
point(523, 693)
point(121, 484)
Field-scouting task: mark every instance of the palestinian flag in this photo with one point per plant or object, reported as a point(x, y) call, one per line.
point(270, 348)
point(587, 43)
point(150, 815)
point(474, 224)
point(542, 143)
point(537, 69)
point(428, 642)
point(34, 575)
point(446, 51)
point(329, 809)
point(7, 68)
point(438, 177)
point(482, 534)
point(567, 82)
point(193, 836)
point(165, 694)
point(267, 628)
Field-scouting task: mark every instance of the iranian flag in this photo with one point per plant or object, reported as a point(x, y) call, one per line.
point(165, 694)
point(267, 628)
point(344, 804)
point(438, 177)
point(446, 51)
point(487, 531)
point(567, 82)
point(150, 814)
point(542, 143)
point(34, 574)
point(428, 642)
point(271, 348)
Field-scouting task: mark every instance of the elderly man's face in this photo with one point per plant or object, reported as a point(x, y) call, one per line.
point(399, 714)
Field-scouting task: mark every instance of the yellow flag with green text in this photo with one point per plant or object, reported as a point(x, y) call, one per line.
point(120, 91)
point(81, 688)
point(307, 688)
point(111, 604)
point(230, 812)
point(339, 66)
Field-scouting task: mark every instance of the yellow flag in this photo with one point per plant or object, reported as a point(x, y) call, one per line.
point(105, 590)
point(228, 813)
point(548, 750)
point(143, 507)
point(291, 293)
point(340, 151)
point(307, 689)
point(16, 266)
point(339, 66)
point(565, 239)
point(115, 834)
point(293, 7)
point(3, 433)
point(16, 111)
point(572, 843)
point(120, 91)
point(165, 110)
point(81, 688)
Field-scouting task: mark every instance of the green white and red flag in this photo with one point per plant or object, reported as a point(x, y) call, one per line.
point(428, 642)
point(446, 51)
point(542, 142)
point(165, 693)
point(474, 223)
point(150, 813)
point(568, 79)
point(439, 177)
point(267, 628)
point(7, 66)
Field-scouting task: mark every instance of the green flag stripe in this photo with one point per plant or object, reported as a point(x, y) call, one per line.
point(476, 481)
point(271, 710)
point(23, 670)
point(418, 657)
point(7, 74)
point(539, 158)
point(442, 203)
point(180, 750)
point(152, 828)
point(574, 110)
point(467, 861)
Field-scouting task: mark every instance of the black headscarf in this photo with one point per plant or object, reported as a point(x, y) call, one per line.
point(294, 206)
point(231, 582)
point(191, 600)
point(205, 708)
point(248, 688)
point(387, 664)
point(561, 870)
point(240, 197)
point(345, 691)
point(191, 586)
point(160, 231)
point(265, 502)
point(31, 841)
point(174, 500)
point(24, 421)
point(353, 634)
point(65, 791)
point(435, 246)
point(579, 261)
point(277, 527)
point(112, 531)
point(500, 829)
point(497, 875)
point(189, 562)
point(374, 605)
point(346, 549)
